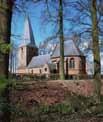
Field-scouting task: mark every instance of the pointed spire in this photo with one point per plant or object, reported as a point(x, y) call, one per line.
point(28, 37)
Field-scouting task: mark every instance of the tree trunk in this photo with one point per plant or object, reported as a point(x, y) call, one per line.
point(61, 38)
point(5, 29)
point(96, 51)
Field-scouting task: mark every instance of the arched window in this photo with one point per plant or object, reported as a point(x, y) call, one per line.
point(72, 63)
point(45, 69)
point(80, 64)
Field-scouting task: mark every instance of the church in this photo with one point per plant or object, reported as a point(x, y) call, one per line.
point(31, 63)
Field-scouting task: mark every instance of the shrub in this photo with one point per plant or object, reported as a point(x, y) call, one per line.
point(3, 83)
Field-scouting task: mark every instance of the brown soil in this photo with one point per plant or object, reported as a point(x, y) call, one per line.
point(51, 92)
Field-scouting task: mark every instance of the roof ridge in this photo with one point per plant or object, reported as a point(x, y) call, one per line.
point(39, 60)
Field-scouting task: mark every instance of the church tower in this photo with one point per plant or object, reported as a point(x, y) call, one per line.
point(28, 48)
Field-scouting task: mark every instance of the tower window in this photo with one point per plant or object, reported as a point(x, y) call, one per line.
point(72, 63)
point(45, 69)
point(22, 49)
point(22, 52)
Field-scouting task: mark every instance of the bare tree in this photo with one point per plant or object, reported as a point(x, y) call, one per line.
point(96, 50)
point(57, 19)
point(88, 20)
point(61, 38)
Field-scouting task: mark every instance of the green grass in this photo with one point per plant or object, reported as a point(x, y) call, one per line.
point(57, 113)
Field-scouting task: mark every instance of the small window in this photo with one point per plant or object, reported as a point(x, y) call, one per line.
point(45, 69)
point(72, 63)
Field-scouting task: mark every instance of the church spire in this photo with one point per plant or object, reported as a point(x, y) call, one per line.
point(28, 37)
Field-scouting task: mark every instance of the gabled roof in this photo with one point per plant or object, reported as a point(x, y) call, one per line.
point(39, 61)
point(70, 49)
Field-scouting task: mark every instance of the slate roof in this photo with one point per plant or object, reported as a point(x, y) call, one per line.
point(28, 36)
point(39, 61)
point(70, 49)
